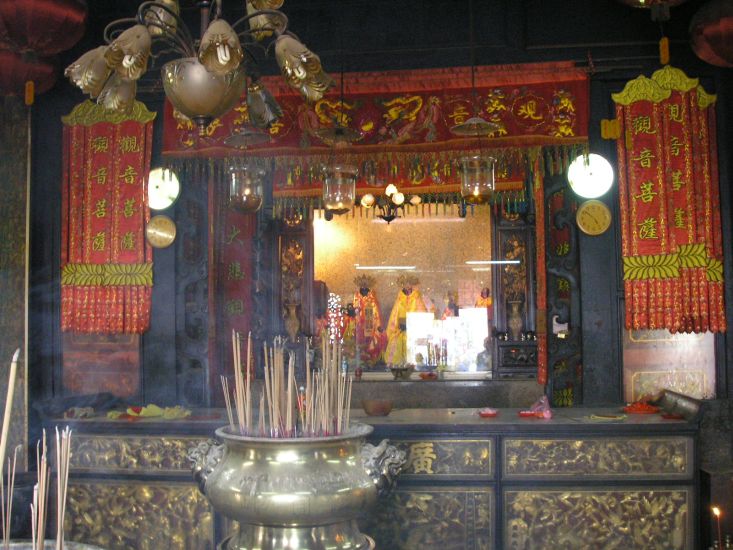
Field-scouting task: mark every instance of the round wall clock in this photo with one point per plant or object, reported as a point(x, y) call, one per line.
point(163, 188)
point(160, 231)
point(593, 217)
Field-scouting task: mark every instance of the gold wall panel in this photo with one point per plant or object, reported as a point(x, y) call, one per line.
point(649, 457)
point(128, 515)
point(448, 458)
point(598, 518)
point(435, 518)
point(131, 453)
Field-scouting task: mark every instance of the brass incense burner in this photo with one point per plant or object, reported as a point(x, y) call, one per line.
point(289, 493)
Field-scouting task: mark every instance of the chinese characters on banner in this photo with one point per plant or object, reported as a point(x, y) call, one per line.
point(234, 273)
point(404, 119)
point(670, 209)
point(106, 263)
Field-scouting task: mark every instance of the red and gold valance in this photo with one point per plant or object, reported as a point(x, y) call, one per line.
point(405, 119)
point(106, 264)
point(670, 207)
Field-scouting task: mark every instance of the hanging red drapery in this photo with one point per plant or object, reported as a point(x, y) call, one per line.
point(106, 263)
point(670, 208)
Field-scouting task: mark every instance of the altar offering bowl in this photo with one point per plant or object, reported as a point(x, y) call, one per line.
point(376, 407)
point(403, 372)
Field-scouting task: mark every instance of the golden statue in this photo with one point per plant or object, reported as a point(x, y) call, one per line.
point(408, 300)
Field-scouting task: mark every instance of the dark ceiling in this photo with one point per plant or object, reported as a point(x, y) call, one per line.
point(400, 34)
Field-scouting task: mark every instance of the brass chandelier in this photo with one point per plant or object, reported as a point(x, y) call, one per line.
point(206, 76)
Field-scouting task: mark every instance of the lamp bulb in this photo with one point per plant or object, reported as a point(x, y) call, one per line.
point(390, 190)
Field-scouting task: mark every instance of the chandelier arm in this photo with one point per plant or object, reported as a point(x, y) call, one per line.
point(174, 46)
point(111, 31)
point(182, 34)
point(276, 13)
point(176, 43)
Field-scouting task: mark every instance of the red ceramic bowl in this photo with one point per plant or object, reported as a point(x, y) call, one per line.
point(377, 407)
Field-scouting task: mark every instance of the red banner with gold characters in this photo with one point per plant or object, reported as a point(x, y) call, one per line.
point(670, 207)
point(403, 120)
point(106, 263)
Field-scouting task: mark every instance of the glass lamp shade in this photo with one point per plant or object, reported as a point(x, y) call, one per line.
point(477, 178)
point(246, 188)
point(590, 176)
point(199, 94)
point(339, 188)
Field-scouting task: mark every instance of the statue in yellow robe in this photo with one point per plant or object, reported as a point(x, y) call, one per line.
point(408, 300)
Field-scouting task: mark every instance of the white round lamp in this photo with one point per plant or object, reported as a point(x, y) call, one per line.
point(590, 176)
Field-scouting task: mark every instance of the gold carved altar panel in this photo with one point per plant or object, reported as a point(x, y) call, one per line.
point(474, 458)
point(132, 453)
point(132, 515)
point(437, 518)
point(599, 518)
point(648, 458)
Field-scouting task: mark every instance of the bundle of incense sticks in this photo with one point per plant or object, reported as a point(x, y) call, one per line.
point(6, 500)
point(40, 496)
point(320, 408)
point(63, 454)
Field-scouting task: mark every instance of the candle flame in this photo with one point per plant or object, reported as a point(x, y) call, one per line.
point(716, 511)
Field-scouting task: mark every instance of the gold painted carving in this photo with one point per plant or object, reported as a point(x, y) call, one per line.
point(687, 382)
point(449, 518)
point(121, 453)
point(648, 457)
point(641, 89)
point(421, 458)
point(602, 518)
point(107, 274)
point(447, 457)
point(139, 516)
point(660, 86)
point(672, 78)
point(88, 113)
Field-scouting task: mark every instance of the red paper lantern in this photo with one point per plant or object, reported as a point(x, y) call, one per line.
point(46, 27)
point(711, 33)
point(16, 69)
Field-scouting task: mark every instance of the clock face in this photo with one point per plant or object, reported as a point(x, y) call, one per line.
point(160, 231)
point(593, 217)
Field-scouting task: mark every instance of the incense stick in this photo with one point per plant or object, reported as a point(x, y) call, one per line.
point(7, 500)
point(8, 406)
point(227, 402)
point(63, 454)
point(40, 495)
point(320, 408)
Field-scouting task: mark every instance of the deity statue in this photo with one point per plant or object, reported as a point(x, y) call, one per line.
point(485, 300)
point(408, 300)
point(368, 319)
point(451, 305)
